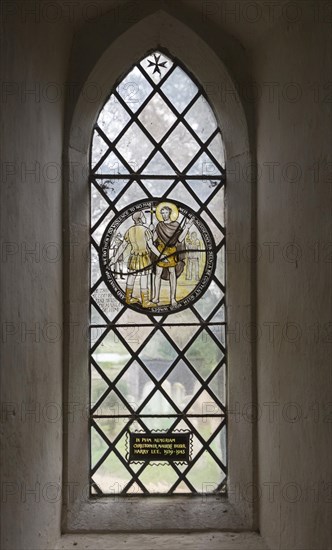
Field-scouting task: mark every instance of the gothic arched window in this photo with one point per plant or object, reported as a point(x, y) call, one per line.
point(158, 358)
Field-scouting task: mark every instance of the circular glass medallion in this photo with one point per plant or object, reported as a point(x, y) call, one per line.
point(157, 256)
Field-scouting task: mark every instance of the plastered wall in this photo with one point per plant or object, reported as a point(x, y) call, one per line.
point(34, 62)
point(289, 127)
point(294, 284)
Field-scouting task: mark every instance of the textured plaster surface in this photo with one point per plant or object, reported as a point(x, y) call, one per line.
point(33, 56)
point(294, 444)
point(294, 286)
point(212, 540)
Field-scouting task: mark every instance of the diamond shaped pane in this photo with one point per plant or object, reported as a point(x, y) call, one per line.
point(112, 165)
point(136, 333)
point(112, 405)
point(180, 385)
point(159, 166)
point(133, 193)
point(181, 146)
point(111, 355)
point(206, 427)
point(157, 480)
point(133, 384)
point(113, 118)
point(135, 147)
point(158, 355)
point(209, 300)
point(205, 405)
point(157, 117)
point(204, 166)
point(201, 118)
point(204, 354)
point(111, 427)
point(135, 336)
point(157, 403)
point(180, 193)
point(179, 89)
point(181, 335)
point(134, 89)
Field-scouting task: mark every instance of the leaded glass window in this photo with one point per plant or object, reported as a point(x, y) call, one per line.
point(158, 357)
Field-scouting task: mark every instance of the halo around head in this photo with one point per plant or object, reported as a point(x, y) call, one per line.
point(173, 208)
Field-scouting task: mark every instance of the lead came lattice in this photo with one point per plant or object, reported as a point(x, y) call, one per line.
point(158, 359)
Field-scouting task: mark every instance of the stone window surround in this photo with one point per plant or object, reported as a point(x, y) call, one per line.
point(176, 513)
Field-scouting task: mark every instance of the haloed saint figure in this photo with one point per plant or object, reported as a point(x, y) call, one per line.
point(155, 252)
point(169, 236)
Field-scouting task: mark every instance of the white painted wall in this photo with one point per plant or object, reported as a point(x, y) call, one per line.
point(295, 286)
point(33, 57)
point(37, 51)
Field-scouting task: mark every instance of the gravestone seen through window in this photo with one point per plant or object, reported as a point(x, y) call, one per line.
point(158, 358)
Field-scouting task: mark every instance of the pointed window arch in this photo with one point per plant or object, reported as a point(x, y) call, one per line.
point(158, 346)
point(83, 507)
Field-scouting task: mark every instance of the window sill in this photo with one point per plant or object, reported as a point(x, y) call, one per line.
point(211, 540)
point(155, 514)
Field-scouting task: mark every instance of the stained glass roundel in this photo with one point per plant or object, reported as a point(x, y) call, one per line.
point(157, 256)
